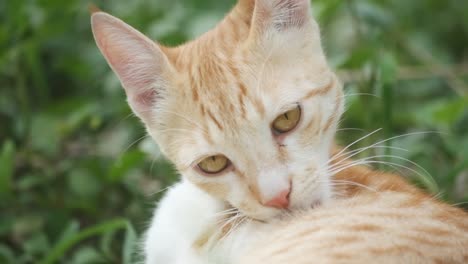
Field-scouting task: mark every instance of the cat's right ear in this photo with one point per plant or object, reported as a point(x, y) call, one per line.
point(140, 64)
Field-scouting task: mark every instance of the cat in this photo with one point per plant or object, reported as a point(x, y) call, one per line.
point(247, 113)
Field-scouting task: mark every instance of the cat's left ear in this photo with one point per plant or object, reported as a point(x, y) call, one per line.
point(140, 64)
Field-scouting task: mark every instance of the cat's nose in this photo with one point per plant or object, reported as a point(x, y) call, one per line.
point(281, 200)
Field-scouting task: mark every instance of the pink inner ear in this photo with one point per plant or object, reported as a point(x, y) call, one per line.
point(138, 61)
point(290, 13)
point(132, 61)
point(281, 14)
point(145, 99)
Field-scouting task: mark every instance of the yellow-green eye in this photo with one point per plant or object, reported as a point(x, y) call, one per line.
point(214, 164)
point(287, 121)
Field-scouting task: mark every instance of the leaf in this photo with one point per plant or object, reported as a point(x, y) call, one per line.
point(130, 244)
point(84, 183)
point(129, 160)
point(44, 135)
point(87, 255)
point(6, 224)
point(451, 111)
point(70, 230)
point(6, 255)
point(37, 244)
point(105, 244)
point(61, 249)
point(7, 157)
point(388, 66)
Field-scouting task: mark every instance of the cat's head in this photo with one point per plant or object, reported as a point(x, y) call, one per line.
point(247, 112)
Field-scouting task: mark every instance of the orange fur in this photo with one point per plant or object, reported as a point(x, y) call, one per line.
point(392, 223)
point(219, 94)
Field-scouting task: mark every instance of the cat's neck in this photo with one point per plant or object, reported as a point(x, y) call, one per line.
point(360, 178)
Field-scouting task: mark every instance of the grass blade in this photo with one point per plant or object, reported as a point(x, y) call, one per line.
point(62, 247)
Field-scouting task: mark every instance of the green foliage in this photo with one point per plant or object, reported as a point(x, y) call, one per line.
point(72, 157)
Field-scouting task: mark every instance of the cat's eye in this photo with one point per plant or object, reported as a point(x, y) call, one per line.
point(287, 121)
point(214, 164)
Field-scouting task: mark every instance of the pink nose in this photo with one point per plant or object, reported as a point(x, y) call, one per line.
point(280, 201)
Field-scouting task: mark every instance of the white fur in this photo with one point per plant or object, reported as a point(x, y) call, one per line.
point(272, 182)
point(182, 216)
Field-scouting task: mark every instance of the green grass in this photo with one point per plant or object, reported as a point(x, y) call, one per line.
point(78, 179)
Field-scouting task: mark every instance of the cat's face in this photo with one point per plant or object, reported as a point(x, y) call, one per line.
point(247, 112)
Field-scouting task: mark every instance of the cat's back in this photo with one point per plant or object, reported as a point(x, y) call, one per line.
point(388, 227)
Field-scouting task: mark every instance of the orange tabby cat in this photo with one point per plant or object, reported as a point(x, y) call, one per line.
point(248, 113)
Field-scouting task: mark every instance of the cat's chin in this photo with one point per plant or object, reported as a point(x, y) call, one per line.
point(266, 215)
point(315, 204)
point(271, 214)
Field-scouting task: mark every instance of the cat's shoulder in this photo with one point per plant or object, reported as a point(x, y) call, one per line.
point(184, 206)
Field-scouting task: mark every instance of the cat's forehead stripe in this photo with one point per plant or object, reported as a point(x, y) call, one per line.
point(321, 90)
point(258, 104)
point(242, 104)
point(217, 123)
point(335, 113)
point(195, 95)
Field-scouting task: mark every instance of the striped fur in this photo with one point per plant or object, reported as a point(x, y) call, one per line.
point(219, 94)
point(393, 223)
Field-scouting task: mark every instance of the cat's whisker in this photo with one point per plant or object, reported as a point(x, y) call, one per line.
point(362, 161)
point(460, 203)
point(378, 162)
point(395, 164)
point(359, 94)
point(179, 141)
point(345, 160)
point(438, 195)
point(126, 117)
point(231, 211)
point(378, 143)
point(349, 153)
point(344, 182)
point(187, 119)
point(355, 142)
point(340, 154)
point(152, 165)
point(166, 130)
point(231, 221)
point(238, 224)
point(350, 129)
point(132, 144)
point(162, 190)
point(228, 220)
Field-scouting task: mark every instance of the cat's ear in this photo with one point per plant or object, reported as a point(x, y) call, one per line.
point(278, 16)
point(139, 63)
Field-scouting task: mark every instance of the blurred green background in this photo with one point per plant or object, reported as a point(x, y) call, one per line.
point(78, 177)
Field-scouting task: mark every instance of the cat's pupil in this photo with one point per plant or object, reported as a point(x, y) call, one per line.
point(287, 121)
